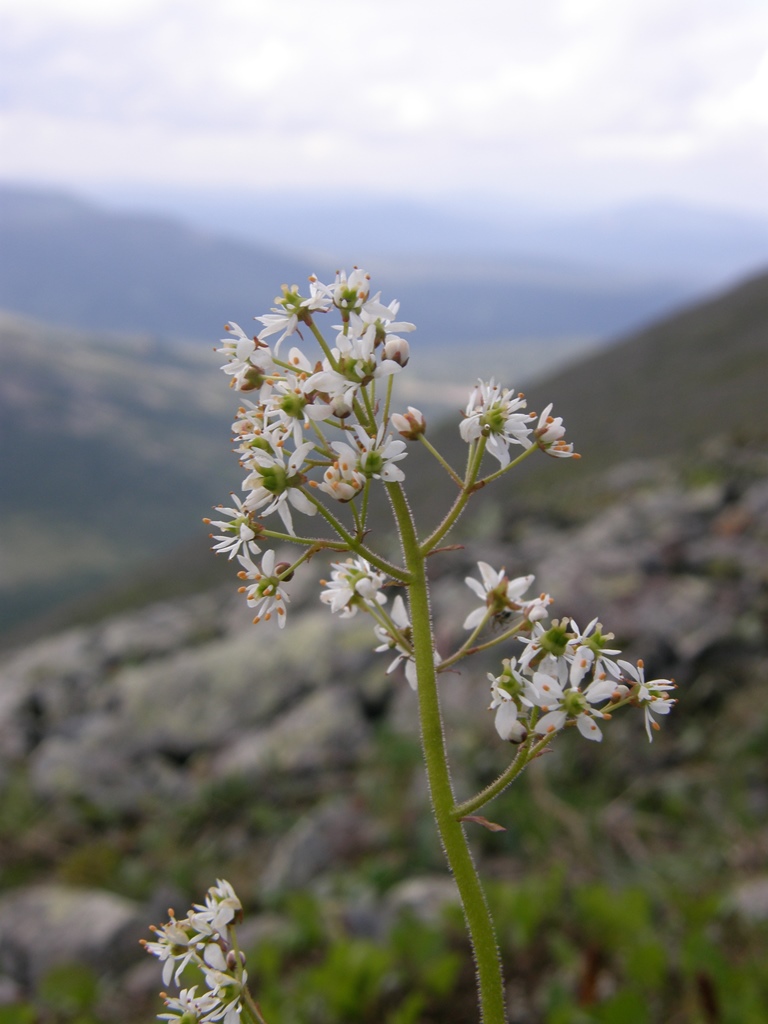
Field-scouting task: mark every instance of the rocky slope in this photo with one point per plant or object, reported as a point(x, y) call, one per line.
point(144, 751)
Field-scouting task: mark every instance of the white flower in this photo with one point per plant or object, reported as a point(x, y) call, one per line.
point(549, 436)
point(274, 484)
point(353, 583)
point(249, 362)
point(176, 945)
point(493, 413)
point(351, 295)
point(538, 608)
point(290, 406)
point(237, 347)
point(396, 350)
point(266, 593)
point(189, 1006)
point(222, 905)
point(498, 593)
point(411, 424)
point(237, 535)
point(561, 706)
point(650, 696)
point(587, 651)
point(342, 480)
point(292, 309)
point(509, 694)
point(379, 454)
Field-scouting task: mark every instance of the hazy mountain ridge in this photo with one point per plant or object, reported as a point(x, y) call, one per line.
point(654, 239)
point(78, 265)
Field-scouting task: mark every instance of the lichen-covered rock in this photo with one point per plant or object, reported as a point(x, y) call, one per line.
point(323, 733)
point(335, 832)
point(45, 926)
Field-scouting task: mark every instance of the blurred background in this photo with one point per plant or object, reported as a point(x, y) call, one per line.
point(569, 196)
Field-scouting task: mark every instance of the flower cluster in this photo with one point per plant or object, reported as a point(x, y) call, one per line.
point(568, 677)
point(284, 431)
point(204, 939)
point(290, 397)
point(354, 584)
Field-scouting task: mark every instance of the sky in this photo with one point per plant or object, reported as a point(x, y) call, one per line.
point(565, 103)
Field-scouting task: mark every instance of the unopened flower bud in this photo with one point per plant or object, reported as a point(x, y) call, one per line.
point(410, 425)
point(516, 732)
point(280, 569)
point(397, 349)
point(231, 960)
point(340, 407)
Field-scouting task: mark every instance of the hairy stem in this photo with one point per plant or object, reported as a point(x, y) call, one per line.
point(476, 911)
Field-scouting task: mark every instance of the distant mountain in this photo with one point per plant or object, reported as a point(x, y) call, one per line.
point(671, 388)
point(652, 240)
point(82, 266)
point(76, 265)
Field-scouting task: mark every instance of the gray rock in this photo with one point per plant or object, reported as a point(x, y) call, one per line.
point(425, 898)
point(750, 900)
point(334, 832)
point(45, 926)
point(325, 732)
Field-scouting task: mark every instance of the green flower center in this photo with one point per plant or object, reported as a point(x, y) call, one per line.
point(293, 405)
point(554, 641)
point(574, 703)
point(372, 463)
point(494, 420)
point(274, 479)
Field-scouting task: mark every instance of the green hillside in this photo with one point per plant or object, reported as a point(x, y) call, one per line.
point(104, 442)
point(669, 388)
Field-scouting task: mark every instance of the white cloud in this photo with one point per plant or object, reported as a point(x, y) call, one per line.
point(564, 94)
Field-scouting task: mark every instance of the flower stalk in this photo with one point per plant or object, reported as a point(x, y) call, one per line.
point(452, 835)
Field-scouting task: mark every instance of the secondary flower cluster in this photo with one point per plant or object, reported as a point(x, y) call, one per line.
point(568, 677)
point(205, 940)
point(494, 413)
point(562, 677)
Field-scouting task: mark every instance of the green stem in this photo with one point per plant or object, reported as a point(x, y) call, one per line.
point(474, 458)
point(476, 911)
point(353, 544)
point(493, 642)
point(446, 466)
point(369, 406)
point(510, 465)
point(388, 400)
point(525, 755)
point(321, 342)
